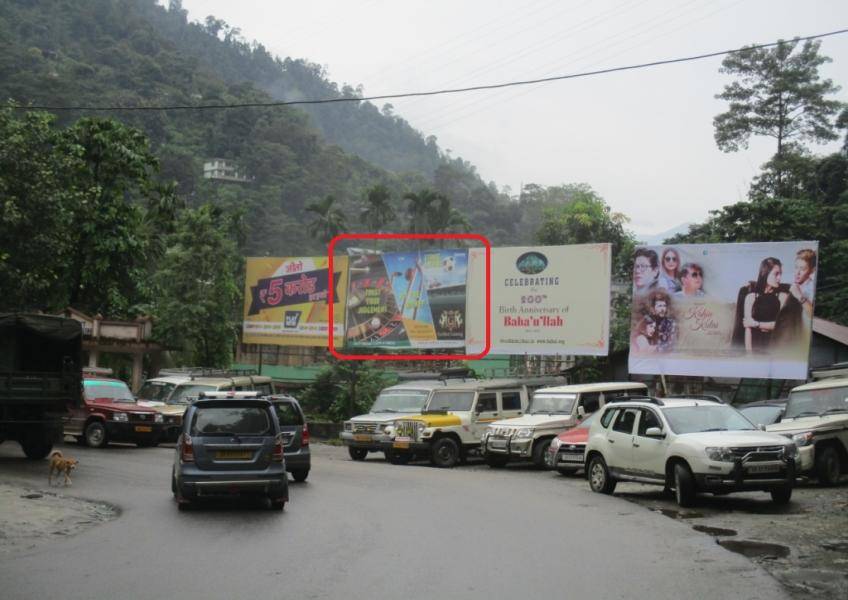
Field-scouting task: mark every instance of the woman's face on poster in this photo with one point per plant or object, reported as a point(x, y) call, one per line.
point(802, 271)
point(773, 279)
point(643, 273)
point(670, 262)
point(650, 329)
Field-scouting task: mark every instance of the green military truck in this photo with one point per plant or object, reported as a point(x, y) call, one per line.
point(40, 376)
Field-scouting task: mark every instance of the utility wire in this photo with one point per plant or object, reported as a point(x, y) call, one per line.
point(475, 88)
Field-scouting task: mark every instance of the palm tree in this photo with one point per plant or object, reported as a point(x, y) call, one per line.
point(329, 220)
point(420, 209)
point(379, 211)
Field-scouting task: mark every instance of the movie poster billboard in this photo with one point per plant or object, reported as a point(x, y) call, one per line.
point(285, 301)
point(723, 310)
point(407, 300)
point(551, 300)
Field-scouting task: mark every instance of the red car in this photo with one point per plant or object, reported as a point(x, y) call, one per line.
point(565, 454)
point(109, 413)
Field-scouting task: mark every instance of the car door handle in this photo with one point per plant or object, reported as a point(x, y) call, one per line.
point(635, 445)
point(610, 441)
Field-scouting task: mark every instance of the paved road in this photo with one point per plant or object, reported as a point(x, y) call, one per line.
point(370, 530)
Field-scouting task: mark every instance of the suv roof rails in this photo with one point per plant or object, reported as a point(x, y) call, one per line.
point(635, 398)
point(463, 373)
point(223, 395)
point(712, 397)
point(193, 372)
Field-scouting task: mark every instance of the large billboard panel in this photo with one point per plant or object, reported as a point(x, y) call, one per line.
point(547, 300)
point(723, 310)
point(407, 300)
point(285, 301)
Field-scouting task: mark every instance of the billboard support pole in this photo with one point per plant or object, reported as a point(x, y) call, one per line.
point(261, 353)
point(664, 386)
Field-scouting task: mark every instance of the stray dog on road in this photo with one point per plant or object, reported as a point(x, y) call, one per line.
point(59, 464)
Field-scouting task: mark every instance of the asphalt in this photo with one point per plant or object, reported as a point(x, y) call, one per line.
point(367, 529)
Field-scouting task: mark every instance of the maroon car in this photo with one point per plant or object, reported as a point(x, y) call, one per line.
point(109, 413)
point(565, 454)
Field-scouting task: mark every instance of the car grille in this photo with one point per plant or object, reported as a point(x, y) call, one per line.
point(141, 417)
point(364, 427)
point(758, 453)
point(504, 432)
point(408, 429)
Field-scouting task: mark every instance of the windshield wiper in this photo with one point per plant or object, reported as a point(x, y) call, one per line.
point(835, 409)
point(714, 429)
point(389, 410)
point(802, 413)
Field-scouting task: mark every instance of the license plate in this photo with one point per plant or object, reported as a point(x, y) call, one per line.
point(571, 458)
point(362, 438)
point(401, 445)
point(763, 469)
point(232, 454)
point(143, 428)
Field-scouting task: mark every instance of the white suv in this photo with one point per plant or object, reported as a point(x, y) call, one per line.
point(689, 446)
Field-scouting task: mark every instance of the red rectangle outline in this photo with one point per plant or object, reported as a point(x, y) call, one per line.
point(408, 236)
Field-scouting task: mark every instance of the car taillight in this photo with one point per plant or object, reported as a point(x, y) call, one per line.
point(277, 454)
point(186, 449)
point(304, 437)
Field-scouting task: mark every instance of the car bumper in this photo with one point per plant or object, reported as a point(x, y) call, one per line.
point(521, 448)
point(119, 431)
point(405, 446)
point(194, 482)
point(365, 441)
point(566, 458)
point(806, 460)
point(739, 477)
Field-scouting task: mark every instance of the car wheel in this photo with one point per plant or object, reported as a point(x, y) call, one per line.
point(300, 475)
point(828, 466)
point(35, 447)
point(539, 451)
point(357, 453)
point(444, 453)
point(95, 435)
point(600, 479)
point(781, 495)
point(398, 458)
point(496, 461)
point(566, 472)
point(684, 486)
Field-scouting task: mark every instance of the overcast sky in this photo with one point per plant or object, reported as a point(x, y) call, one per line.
point(643, 139)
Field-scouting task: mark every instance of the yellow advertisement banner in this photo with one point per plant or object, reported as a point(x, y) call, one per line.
point(285, 301)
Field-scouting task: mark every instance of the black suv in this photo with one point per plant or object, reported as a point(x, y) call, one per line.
point(295, 432)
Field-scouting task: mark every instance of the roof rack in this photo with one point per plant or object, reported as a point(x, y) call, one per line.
point(711, 397)
point(193, 372)
point(635, 398)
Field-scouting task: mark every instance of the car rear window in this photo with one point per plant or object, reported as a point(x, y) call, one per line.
point(288, 414)
point(222, 420)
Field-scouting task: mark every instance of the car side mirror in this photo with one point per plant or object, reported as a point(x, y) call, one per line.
point(654, 432)
point(581, 412)
point(761, 427)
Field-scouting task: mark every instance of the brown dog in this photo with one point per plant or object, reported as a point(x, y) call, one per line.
point(59, 464)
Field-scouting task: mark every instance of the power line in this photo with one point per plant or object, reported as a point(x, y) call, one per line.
point(475, 88)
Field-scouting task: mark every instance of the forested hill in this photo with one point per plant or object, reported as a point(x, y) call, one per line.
point(137, 53)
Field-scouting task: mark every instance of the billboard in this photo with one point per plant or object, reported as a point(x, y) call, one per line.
point(285, 300)
point(723, 310)
point(546, 300)
point(407, 300)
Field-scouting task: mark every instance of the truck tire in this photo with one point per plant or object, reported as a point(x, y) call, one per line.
point(444, 453)
point(539, 450)
point(36, 447)
point(684, 486)
point(357, 453)
point(95, 435)
point(828, 465)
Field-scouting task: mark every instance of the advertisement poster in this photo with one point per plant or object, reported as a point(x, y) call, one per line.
point(407, 300)
point(723, 310)
point(551, 300)
point(285, 300)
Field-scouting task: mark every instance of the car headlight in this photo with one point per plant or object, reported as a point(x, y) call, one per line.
point(382, 427)
point(719, 454)
point(791, 451)
point(555, 444)
point(119, 416)
point(525, 432)
point(348, 426)
point(420, 426)
point(158, 418)
point(803, 439)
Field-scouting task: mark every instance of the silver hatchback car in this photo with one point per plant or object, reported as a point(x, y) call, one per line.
point(230, 445)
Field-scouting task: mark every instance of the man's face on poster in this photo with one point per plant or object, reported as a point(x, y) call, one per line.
point(660, 308)
point(643, 273)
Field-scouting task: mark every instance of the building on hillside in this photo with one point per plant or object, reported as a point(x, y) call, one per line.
point(223, 169)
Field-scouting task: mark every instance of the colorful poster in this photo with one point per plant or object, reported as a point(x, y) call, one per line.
point(549, 300)
point(285, 301)
point(407, 300)
point(723, 310)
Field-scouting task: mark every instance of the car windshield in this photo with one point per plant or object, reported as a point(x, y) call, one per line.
point(158, 391)
point(587, 422)
point(184, 394)
point(762, 415)
point(817, 402)
point(402, 401)
point(451, 401)
point(693, 419)
point(287, 414)
point(226, 420)
point(116, 391)
point(560, 404)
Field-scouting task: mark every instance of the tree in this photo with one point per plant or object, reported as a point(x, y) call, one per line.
point(379, 210)
point(196, 294)
point(419, 208)
point(329, 220)
point(779, 94)
point(344, 389)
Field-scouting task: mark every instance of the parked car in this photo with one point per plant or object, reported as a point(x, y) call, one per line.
point(367, 433)
point(230, 446)
point(552, 410)
point(567, 452)
point(764, 412)
point(816, 419)
point(689, 446)
point(110, 413)
point(295, 432)
point(172, 392)
point(452, 425)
